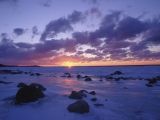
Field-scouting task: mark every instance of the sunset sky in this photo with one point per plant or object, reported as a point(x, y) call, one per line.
point(79, 32)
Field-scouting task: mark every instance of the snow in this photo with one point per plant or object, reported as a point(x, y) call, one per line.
point(123, 100)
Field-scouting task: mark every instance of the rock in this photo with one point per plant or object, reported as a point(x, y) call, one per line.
point(93, 99)
point(21, 84)
point(32, 74)
point(148, 85)
point(117, 73)
point(82, 91)
point(5, 82)
point(92, 93)
point(125, 87)
point(28, 94)
point(117, 79)
point(98, 105)
point(77, 95)
point(152, 81)
point(79, 76)
point(81, 106)
point(39, 86)
point(101, 80)
point(38, 74)
point(88, 79)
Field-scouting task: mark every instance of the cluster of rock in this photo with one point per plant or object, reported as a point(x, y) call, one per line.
point(66, 75)
point(10, 72)
point(152, 81)
point(81, 106)
point(29, 93)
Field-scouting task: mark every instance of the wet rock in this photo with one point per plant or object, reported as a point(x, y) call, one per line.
point(117, 73)
point(101, 80)
point(39, 86)
point(148, 85)
point(21, 84)
point(152, 81)
point(38, 74)
point(28, 94)
point(77, 95)
point(82, 91)
point(79, 76)
point(93, 99)
point(5, 82)
point(88, 79)
point(117, 79)
point(92, 92)
point(81, 106)
point(98, 105)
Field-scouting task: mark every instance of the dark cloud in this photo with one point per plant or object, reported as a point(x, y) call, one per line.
point(76, 16)
point(45, 3)
point(35, 30)
point(18, 31)
point(24, 45)
point(54, 27)
point(4, 35)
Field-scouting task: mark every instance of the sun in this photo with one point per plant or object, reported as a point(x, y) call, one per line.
point(68, 64)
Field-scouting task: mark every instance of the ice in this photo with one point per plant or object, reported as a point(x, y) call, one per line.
point(123, 100)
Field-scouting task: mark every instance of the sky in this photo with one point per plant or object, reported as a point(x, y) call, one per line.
point(79, 32)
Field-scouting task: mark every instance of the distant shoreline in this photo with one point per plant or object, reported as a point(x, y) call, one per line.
point(1, 65)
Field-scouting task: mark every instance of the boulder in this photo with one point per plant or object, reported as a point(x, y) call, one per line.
point(148, 85)
point(152, 81)
point(88, 79)
point(21, 84)
point(77, 95)
point(93, 99)
point(81, 106)
point(79, 76)
point(117, 73)
point(98, 105)
point(92, 92)
point(39, 86)
point(28, 94)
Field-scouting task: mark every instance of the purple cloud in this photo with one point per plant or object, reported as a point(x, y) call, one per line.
point(95, 12)
point(54, 27)
point(76, 16)
point(18, 31)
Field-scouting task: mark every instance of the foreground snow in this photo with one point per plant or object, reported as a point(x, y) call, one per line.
point(123, 100)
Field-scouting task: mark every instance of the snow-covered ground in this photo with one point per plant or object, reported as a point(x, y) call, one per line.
point(123, 100)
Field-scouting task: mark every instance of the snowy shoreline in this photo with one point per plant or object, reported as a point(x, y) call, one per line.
point(122, 100)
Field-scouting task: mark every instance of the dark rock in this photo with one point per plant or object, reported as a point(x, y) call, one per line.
point(77, 95)
point(152, 81)
point(92, 92)
point(21, 84)
point(88, 79)
point(117, 79)
point(93, 99)
point(79, 76)
point(81, 106)
point(82, 91)
point(39, 86)
point(101, 80)
point(98, 105)
point(148, 85)
point(5, 82)
point(125, 87)
point(117, 72)
point(38, 74)
point(32, 74)
point(28, 94)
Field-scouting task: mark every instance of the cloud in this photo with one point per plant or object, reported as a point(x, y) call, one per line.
point(18, 31)
point(95, 12)
point(54, 27)
point(4, 35)
point(76, 16)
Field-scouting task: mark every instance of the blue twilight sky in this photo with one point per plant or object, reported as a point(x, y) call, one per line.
point(79, 32)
